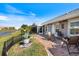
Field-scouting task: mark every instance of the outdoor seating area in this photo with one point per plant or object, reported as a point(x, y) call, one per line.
point(72, 41)
point(71, 45)
point(65, 47)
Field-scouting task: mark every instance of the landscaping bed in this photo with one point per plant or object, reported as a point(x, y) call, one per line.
point(36, 49)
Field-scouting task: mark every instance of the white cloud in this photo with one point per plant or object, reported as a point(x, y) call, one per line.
point(13, 10)
point(32, 14)
point(12, 18)
point(3, 17)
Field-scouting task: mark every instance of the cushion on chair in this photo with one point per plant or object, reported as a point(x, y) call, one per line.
point(73, 40)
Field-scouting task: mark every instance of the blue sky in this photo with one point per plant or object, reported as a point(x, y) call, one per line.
point(16, 14)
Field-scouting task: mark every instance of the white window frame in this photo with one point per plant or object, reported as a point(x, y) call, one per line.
point(69, 27)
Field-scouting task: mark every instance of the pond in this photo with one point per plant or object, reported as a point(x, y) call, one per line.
point(4, 33)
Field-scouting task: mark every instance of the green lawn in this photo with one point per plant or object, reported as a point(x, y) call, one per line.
point(36, 49)
point(5, 38)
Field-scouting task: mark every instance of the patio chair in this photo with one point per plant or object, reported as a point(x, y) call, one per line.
point(72, 41)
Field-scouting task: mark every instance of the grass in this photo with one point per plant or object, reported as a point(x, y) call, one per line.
point(5, 38)
point(36, 49)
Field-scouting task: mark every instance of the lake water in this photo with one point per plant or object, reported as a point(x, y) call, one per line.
point(4, 33)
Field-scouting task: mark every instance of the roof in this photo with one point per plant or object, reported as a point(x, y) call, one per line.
point(66, 16)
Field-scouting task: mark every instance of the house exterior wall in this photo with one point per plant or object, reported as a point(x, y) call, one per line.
point(44, 29)
point(69, 27)
point(49, 28)
point(39, 29)
point(64, 30)
point(58, 25)
point(66, 19)
point(52, 28)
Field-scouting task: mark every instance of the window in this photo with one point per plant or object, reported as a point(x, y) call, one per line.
point(74, 28)
point(40, 30)
point(57, 26)
point(74, 31)
point(74, 24)
point(62, 26)
point(46, 28)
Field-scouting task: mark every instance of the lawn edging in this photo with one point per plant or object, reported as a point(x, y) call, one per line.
point(5, 38)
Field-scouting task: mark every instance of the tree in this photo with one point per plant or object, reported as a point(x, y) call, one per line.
point(4, 29)
point(31, 29)
point(11, 28)
point(25, 28)
point(34, 28)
